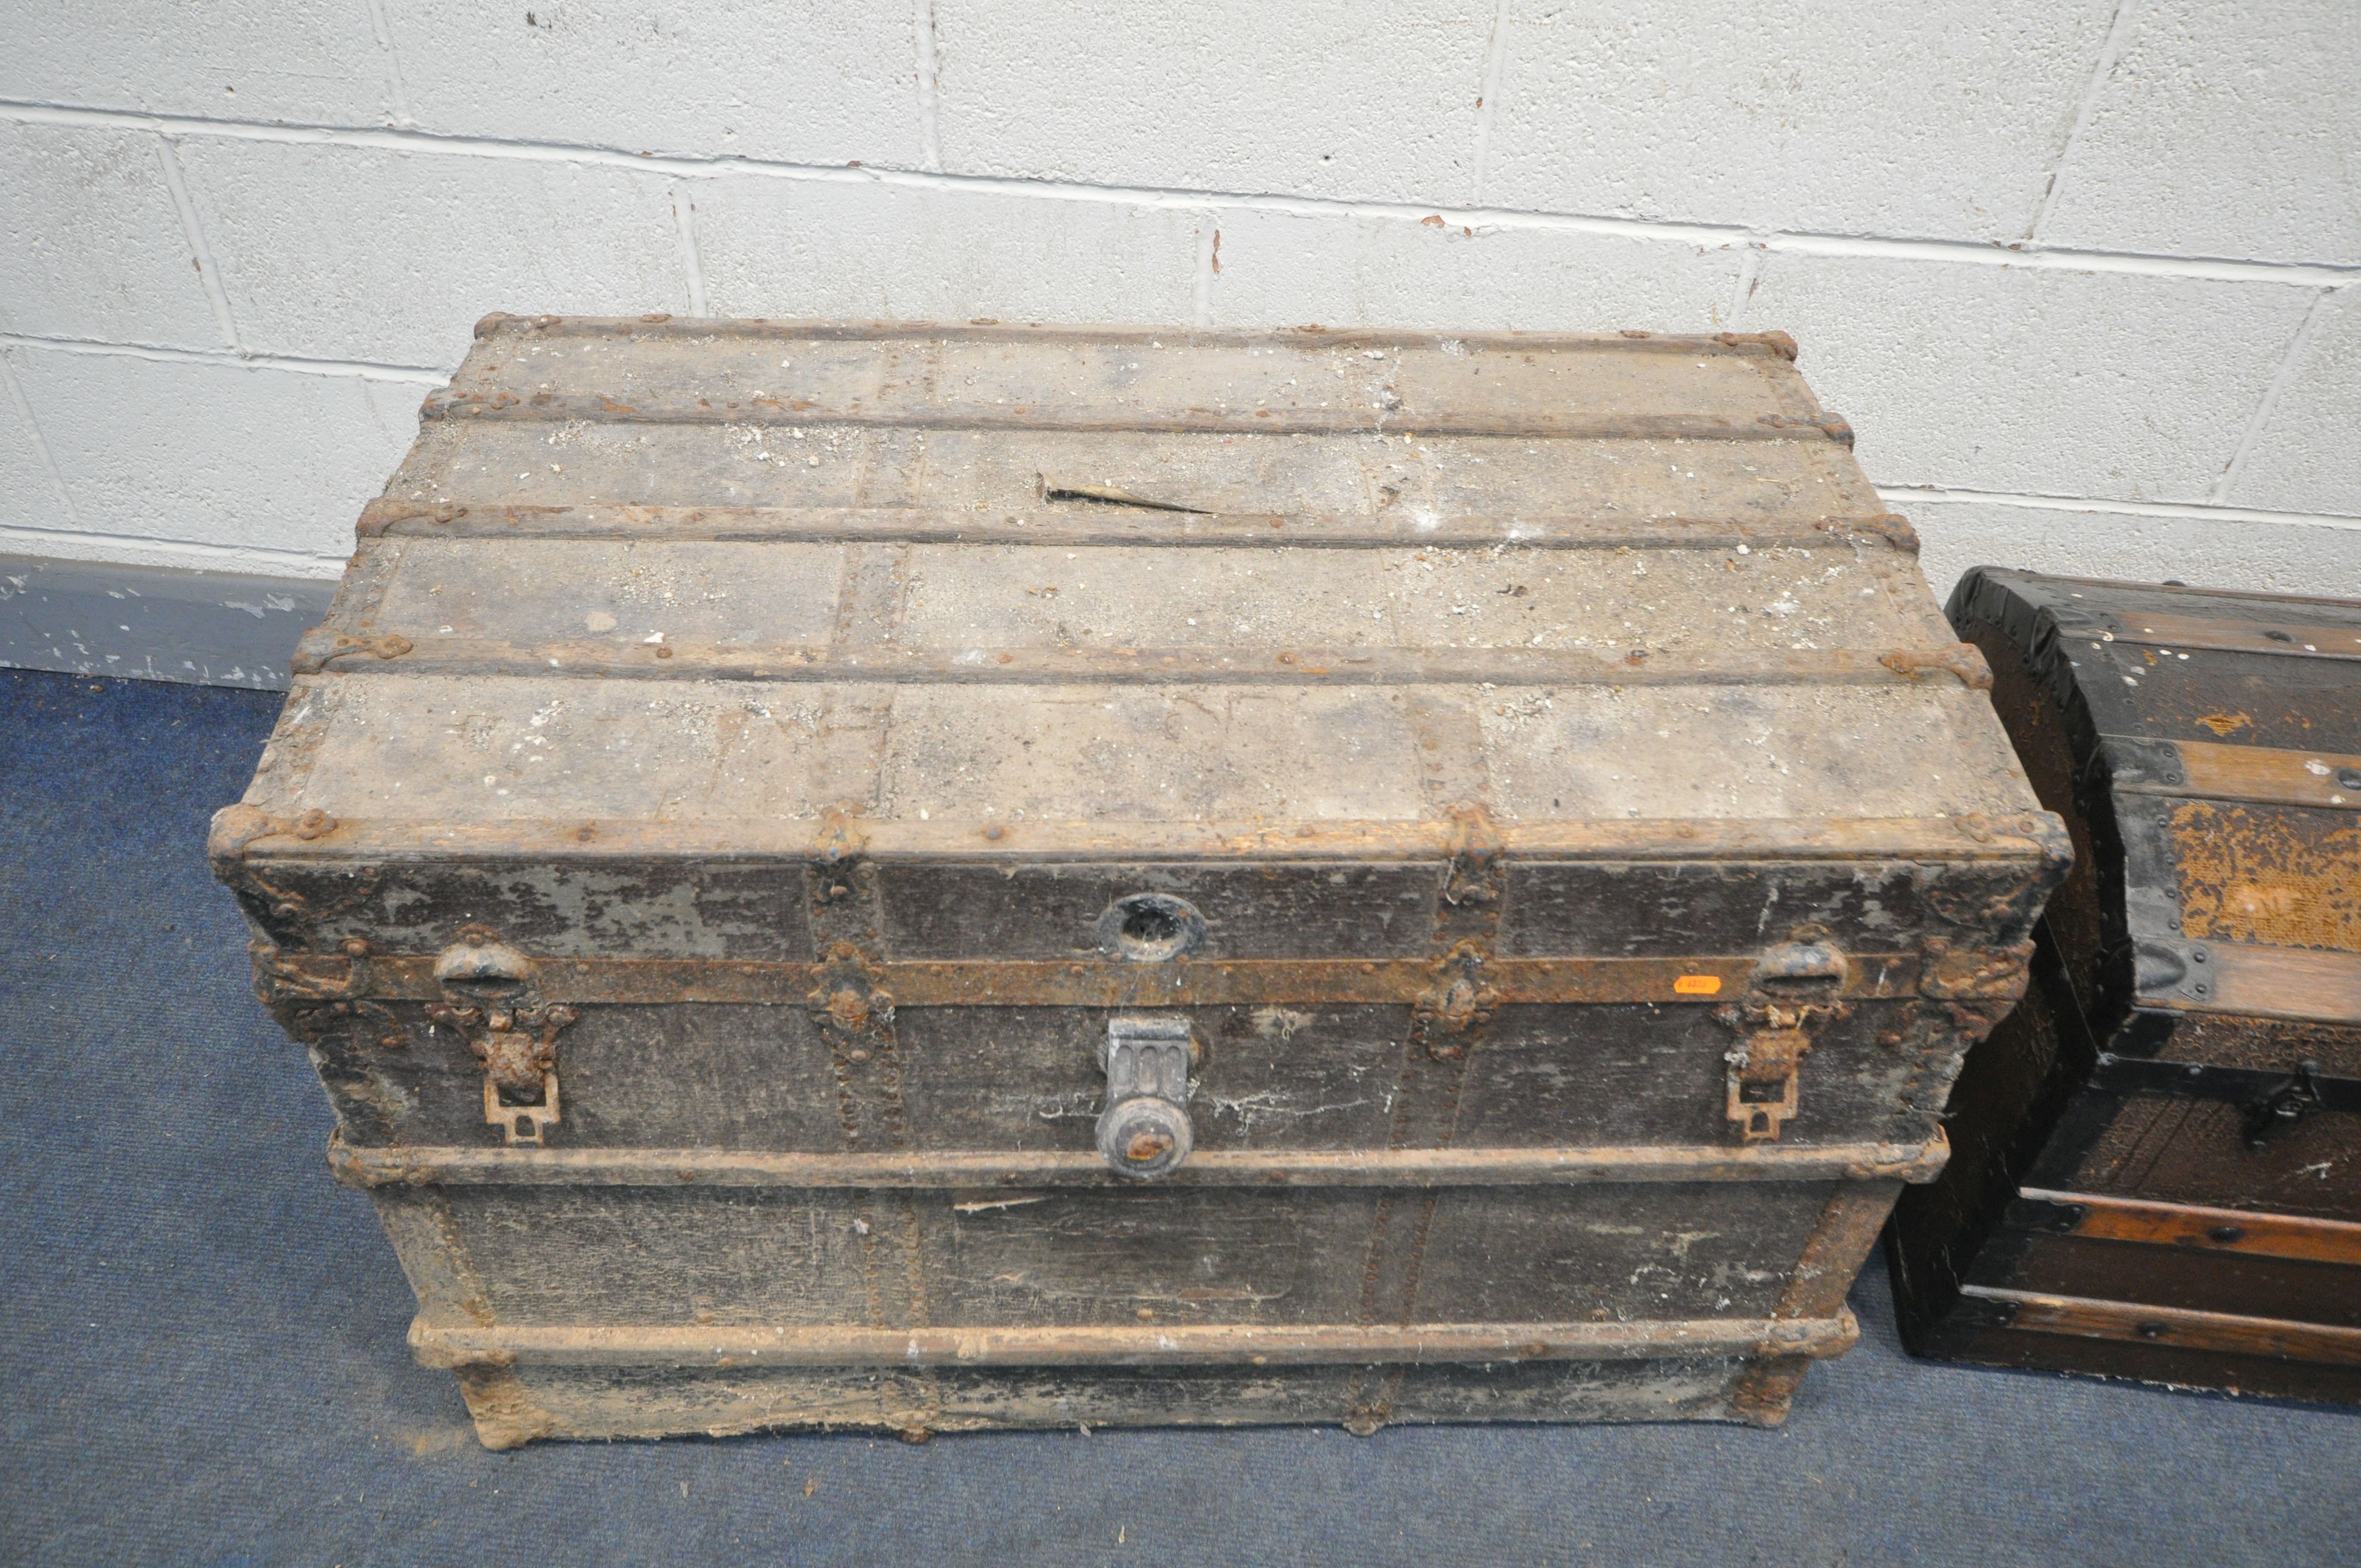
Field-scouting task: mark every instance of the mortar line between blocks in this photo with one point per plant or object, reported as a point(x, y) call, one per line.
point(417, 374)
point(1958, 251)
point(1487, 101)
point(684, 218)
point(2195, 512)
point(33, 430)
point(2119, 28)
point(194, 234)
point(930, 134)
point(2291, 363)
point(396, 91)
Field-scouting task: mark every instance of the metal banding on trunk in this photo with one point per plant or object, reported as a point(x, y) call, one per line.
point(1083, 982)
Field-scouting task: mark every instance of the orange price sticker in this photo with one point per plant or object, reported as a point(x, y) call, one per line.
point(1697, 985)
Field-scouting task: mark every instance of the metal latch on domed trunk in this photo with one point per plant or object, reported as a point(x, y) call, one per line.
point(1144, 1133)
point(1793, 993)
point(489, 999)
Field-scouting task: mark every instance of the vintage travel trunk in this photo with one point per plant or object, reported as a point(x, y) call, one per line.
point(2158, 1158)
point(936, 877)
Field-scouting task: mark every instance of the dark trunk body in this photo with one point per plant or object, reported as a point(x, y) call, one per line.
point(2157, 1158)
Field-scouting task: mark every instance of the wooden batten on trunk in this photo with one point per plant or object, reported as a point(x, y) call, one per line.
point(940, 878)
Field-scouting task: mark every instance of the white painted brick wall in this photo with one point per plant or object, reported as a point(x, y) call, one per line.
point(809, 247)
point(2228, 128)
point(2289, 558)
point(1283, 268)
point(803, 81)
point(316, 64)
point(2086, 274)
point(223, 457)
point(372, 252)
point(35, 499)
point(2307, 452)
point(82, 214)
point(1872, 117)
point(2051, 382)
point(1336, 98)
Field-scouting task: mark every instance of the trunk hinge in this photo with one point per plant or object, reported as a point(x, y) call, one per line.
point(1796, 989)
point(488, 1001)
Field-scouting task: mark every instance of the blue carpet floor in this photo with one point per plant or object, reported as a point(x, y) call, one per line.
point(203, 1360)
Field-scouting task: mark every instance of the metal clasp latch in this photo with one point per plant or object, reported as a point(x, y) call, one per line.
point(1794, 991)
point(487, 987)
point(1144, 1133)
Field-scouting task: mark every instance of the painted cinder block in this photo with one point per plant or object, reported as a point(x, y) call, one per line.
point(870, 250)
point(231, 60)
point(1324, 98)
point(1281, 269)
point(1882, 116)
point(2307, 456)
point(2032, 381)
point(2226, 130)
point(30, 497)
point(366, 253)
point(798, 81)
point(2204, 553)
point(90, 243)
point(236, 456)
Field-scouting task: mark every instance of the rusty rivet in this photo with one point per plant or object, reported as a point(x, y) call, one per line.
point(994, 831)
point(856, 1054)
point(1148, 1314)
point(354, 946)
point(663, 652)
